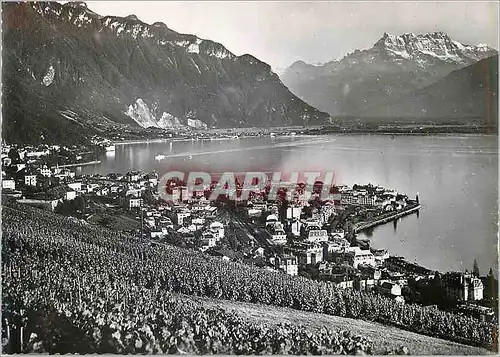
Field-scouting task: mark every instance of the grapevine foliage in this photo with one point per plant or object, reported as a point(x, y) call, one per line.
point(114, 292)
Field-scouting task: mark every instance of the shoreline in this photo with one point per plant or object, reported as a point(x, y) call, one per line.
point(437, 134)
point(88, 163)
point(351, 133)
point(154, 141)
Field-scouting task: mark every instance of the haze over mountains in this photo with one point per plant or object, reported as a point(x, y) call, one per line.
point(362, 81)
point(67, 69)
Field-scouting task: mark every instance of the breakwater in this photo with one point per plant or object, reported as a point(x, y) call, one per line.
point(95, 162)
point(377, 221)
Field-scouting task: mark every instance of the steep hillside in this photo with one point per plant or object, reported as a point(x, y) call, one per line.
point(67, 68)
point(395, 65)
point(384, 338)
point(470, 93)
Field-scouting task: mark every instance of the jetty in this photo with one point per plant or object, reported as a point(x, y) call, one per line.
point(386, 218)
point(95, 162)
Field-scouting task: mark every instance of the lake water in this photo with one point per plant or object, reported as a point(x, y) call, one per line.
point(455, 176)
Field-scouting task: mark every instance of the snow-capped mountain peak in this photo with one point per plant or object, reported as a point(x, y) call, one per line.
point(396, 64)
point(79, 15)
point(437, 45)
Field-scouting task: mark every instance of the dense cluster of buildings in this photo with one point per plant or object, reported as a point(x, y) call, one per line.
point(462, 286)
point(307, 244)
point(295, 238)
point(373, 196)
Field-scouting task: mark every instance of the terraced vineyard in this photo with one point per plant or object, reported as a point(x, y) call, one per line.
point(92, 289)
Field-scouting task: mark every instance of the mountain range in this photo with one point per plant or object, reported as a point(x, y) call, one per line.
point(469, 93)
point(395, 67)
point(68, 71)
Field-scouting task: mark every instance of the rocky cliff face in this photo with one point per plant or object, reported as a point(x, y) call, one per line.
point(395, 65)
point(427, 50)
point(67, 69)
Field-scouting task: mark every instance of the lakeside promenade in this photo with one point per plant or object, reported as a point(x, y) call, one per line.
point(377, 221)
point(95, 162)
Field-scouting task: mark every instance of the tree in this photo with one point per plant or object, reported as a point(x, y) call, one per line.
point(14, 156)
point(475, 269)
point(491, 286)
point(80, 203)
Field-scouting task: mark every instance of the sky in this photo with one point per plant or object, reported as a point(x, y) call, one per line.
point(281, 33)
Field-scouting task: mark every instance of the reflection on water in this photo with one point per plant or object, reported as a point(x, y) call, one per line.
point(369, 232)
point(456, 178)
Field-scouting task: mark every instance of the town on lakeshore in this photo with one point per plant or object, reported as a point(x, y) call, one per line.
point(314, 238)
point(249, 178)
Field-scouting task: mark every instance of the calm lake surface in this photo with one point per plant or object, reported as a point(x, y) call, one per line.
point(455, 176)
